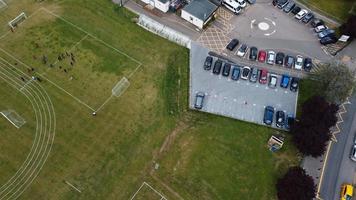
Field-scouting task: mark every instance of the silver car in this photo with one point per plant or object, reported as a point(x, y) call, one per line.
point(271, 56)
point(353, 153)
point(199, 100)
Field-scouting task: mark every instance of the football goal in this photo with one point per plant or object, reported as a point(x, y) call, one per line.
point(14, 118)
point(20, 18)
point(2, 4)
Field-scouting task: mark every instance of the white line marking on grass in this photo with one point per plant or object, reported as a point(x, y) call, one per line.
point(28, 82)
point(106, 101)
point(72, 186)
point(74, 97)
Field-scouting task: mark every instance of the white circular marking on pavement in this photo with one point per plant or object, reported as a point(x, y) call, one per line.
point(263, 26)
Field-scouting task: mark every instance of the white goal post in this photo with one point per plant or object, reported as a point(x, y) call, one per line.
point(21, 17)
point(14, 118)
point(2, 4)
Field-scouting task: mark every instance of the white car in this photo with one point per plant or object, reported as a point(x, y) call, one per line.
point(320, 28)
point(298, 62)
point(271, 57)
point(242, 50)
point(273, 79)
point(301, 14)
point(232, 5)
point(242, 3)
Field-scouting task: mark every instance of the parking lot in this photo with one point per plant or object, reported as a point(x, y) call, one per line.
point(240, 99)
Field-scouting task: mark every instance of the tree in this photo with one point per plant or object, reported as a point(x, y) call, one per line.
point(349, 28)
point(312, 131)
point(296, 185)
point(335, 81)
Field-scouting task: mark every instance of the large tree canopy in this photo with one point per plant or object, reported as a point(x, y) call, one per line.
point(349, 28)
point(296, 185)
point(312, 131)
point(336, 82)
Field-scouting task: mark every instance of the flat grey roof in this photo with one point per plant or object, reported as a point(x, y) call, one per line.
point(201, 9)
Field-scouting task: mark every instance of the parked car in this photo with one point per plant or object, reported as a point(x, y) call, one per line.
point(235, 74)
point(316, 22)
point(308, 64)
point(289, 121)
point(281, 3)
point(279, 58)
point(289, 61)
point(289, 7)
point(245, 72)
point(271, 57)
point(320, 28)
point(280, 119)
point(253, 53)
point(301, 14)
point(353, 153)
point(242, 3)
point(226, 69)
point(294, 84)
point(217, 67)
point(232, 5)
point(208, 62)
point(326, 32)
point(268, 115)
point(199, 100)
point(254, 75)
point(298, 62)
point(263, 76)
point(262, 56)
point(296, 10)
point(242, 50)
point(232, 44)
point(285, 81)
point(306, 19)
point(273, 79)
point(328, 40)
point(347, 191)
point(251, 1)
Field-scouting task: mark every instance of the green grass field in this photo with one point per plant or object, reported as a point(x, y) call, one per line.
point(339, 10)
point(109, 156)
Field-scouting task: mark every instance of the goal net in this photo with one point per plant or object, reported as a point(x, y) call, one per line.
point(20, 18)
point(120, 87)
point(14, 118)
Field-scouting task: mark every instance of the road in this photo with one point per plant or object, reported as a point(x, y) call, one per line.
point(339, 168)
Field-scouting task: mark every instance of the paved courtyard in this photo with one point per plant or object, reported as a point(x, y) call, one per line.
point(241, 99)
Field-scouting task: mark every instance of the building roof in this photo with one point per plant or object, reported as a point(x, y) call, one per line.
point(201, 9)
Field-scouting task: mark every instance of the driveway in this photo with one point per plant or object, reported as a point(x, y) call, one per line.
point(240, 99)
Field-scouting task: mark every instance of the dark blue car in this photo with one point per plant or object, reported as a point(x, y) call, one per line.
point(289, 121)
point(268, 116)
point(235, 74)
point(285, 81)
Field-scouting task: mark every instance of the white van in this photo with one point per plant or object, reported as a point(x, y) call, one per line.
point(232, 5)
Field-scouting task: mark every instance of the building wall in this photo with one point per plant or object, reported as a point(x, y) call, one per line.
point(190, 18)
point(164, 7)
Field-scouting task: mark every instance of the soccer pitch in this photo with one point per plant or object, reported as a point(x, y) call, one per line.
point(71, 58)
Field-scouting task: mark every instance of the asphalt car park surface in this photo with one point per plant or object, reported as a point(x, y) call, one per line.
point(240, 99)
point(267, 27)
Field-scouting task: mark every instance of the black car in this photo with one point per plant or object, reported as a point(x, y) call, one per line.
point(281, 3)
point(274, 2)
point(289, 121)
point(268, 115)
point(226, 69)
point(232, 44)
point(289, 61)
point(289, 7)
point(328, 40)
point(306, 19)
point(253, 53)
point(294, 84)
point(235, 74)
point(296, 10)
point(279, 58)
point(316, 22)
point(208, 62)
point(217, 67)
point(307, 64)
point(280, 119)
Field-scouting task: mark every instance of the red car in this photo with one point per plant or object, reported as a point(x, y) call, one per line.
point(262, 56)
point(263, 76)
